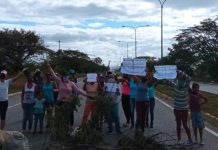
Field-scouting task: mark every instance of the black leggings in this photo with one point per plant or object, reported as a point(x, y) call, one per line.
point(126, 107)
point(3, 109)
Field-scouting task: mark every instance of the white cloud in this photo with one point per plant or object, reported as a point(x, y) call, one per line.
point(66, 21)
point(95, 25)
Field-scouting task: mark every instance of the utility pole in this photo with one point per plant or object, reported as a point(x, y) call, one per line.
point(135, 29)
point(162, 4)
point(59, 43)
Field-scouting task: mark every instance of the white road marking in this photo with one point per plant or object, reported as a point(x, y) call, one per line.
point(206, 128)
point(14, 105)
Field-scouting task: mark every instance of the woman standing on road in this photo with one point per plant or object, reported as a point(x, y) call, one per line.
point(142, 101)
point(4, 86)
point(126, 99)
point(132, 101)
point(66, 89)
point(181, 91)
point(27, 102)
point(152, 83)
point(48, 89)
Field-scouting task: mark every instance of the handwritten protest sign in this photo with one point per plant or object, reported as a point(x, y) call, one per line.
point(91, 77)
point(135, 66)
point(111, 87)
point(165, 72)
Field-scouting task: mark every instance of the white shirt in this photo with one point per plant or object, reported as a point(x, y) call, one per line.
point(4, 86)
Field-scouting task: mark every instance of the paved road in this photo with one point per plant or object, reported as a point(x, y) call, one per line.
point(211, 88)
point(164, 122)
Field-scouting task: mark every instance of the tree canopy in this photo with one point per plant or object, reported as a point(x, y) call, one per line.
point(64, 60)
point(17, 47)
point(196, 50)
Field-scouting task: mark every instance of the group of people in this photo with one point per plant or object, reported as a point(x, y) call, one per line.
point(137, 95)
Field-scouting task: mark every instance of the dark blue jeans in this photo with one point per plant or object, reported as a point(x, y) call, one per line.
point(38, 117)
point(27, 115)
point(151, 112)
point(132, 110)
point(113, 116)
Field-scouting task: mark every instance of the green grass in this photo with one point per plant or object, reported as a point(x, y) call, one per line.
point(210, 107)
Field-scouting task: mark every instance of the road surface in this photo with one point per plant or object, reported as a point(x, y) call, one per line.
point(211, 88)
point(164, 122)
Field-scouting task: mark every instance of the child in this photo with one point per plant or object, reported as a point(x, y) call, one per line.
point(195, 107)
point(39, 111)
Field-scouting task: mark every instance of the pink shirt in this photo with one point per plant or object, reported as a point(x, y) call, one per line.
point(126, 88)
point(66, 89)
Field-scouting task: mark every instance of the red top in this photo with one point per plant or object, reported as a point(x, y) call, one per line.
point(126, 88)
point(194, 103)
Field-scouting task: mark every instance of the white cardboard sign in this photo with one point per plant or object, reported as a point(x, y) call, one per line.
point(165, 72)
point(110, 87)
point(91, 77)
point(135, 66)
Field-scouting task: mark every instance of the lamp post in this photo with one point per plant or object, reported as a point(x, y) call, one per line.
point(162, 4)
point(59, 45)
point(127, 47)
point(135, 29)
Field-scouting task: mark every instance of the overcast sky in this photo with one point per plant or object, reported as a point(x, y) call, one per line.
point(95, 26)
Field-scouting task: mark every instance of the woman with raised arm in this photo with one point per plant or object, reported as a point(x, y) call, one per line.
point(181, 91)
point(66, 89)
point(152, 83)
point(4, 86)
point(142, 101)
point(28, 102)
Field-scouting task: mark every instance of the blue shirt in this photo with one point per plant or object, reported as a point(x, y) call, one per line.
point(142, 92)
point(39, 106)
point(151, 91)
point(133, 87)
point(48, 92)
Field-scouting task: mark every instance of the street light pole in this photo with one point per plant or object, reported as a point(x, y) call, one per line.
point(135, 43)
point(127, 47)
point(162, 4)
point(135, 29)
point(59, 45)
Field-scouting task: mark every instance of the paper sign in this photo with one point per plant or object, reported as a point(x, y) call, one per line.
point(110, 87)
point(91, 77)
point(165, 72)
point(134, 66)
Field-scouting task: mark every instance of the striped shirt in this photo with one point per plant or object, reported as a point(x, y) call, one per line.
point(180, 95)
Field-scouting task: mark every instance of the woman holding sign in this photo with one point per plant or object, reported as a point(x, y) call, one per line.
point(152, 83)
point(112, 90)
point(181, 91)
point(91, 87)
point(126, 99)
point(142, 101)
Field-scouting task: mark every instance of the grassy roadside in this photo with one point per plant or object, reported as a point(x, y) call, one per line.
point(210, 108)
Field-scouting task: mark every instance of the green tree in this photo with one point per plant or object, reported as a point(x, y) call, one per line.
point(64, 60)
point(17, 47)
point(196, 48)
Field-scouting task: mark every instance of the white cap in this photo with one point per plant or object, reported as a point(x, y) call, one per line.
point(4, 72)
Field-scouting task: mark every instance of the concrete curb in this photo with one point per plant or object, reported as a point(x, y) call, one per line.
point(14, 94)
